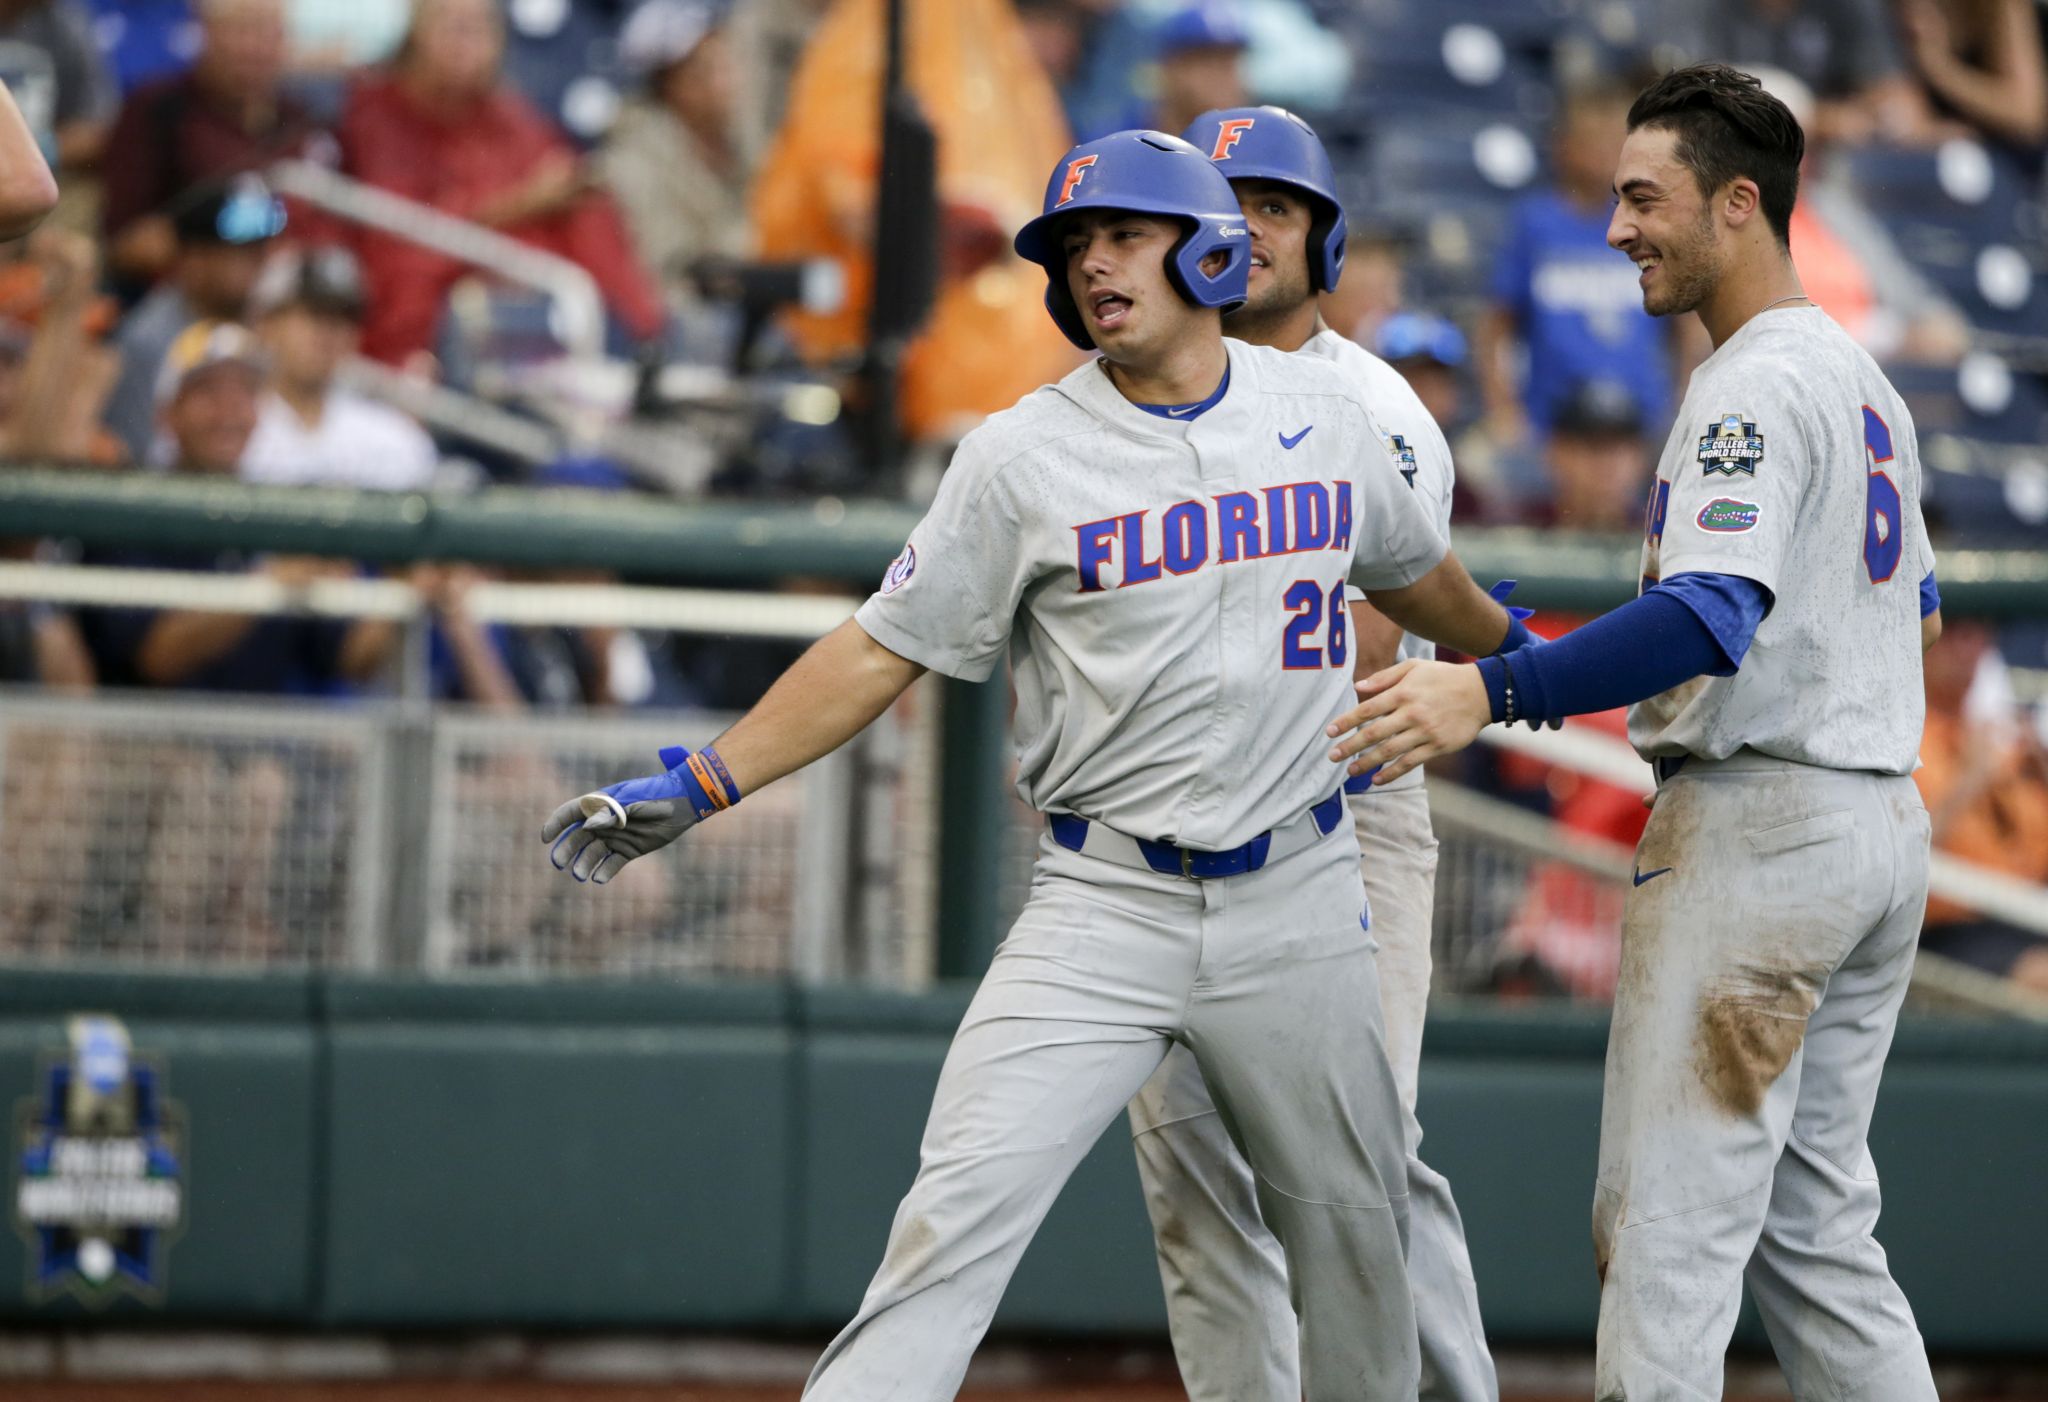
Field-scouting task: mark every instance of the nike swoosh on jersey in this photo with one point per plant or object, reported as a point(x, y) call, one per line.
point(1287, 442)
point(1642, 876)
point(1176, 413)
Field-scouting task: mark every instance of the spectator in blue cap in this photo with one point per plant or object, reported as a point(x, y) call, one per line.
point(1201, 52)
point(223, 233)
point(1561, 296)
point(1429, 352)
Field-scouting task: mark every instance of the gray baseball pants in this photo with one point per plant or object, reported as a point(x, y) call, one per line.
point(1766, 948)
point(1225, 1278)
point(1260, 977)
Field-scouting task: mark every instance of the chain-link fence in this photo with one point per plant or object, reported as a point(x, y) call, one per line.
point(1523, 904)
point(221, 833)
point(184, 831)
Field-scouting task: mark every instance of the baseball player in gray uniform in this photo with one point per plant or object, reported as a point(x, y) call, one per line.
point(1160, 544)
point(1773, 663)
point(1225, 1279)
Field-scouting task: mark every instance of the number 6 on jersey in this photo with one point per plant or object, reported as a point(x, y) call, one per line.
point(1883, 540)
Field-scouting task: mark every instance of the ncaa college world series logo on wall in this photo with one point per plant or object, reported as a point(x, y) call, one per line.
point(100, 1158)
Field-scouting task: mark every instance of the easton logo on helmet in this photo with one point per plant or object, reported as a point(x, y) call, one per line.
point(1229, 134)
point(1076, 168)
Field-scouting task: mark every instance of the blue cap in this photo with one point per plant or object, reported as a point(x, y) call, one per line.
point(1211, 24)
point(1147, 172)
point(1271, 143)
point(1419, 336)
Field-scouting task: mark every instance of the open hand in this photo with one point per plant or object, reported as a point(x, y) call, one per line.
point(593, 836)
point(1411, 712)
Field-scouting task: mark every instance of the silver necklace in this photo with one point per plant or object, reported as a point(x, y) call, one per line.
point(1795, 297)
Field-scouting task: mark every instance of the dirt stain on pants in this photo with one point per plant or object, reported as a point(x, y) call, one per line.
point(1746, 1039)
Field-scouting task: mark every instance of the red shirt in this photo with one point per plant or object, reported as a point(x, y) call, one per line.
point(172, 135)
point(459, 164)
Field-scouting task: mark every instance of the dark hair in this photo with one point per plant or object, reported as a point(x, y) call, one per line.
point(1728, 126)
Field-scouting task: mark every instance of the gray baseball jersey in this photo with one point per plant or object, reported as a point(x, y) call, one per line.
point(1170, 593)
point(1793, 463)
point(1420, 453)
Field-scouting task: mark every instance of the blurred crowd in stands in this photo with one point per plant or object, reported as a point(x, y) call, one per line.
point(192, 308)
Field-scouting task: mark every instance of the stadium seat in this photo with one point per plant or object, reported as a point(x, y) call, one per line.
point(565, 58)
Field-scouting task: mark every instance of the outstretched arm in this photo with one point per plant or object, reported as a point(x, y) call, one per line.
point(831, 694)
point(1689, 626)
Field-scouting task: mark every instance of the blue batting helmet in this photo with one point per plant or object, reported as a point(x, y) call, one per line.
point(1271, 143)
point(1147, 172)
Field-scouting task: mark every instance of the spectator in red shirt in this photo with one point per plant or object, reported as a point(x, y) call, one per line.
point(1566, 933)
point(441, 127)
point(226, 116)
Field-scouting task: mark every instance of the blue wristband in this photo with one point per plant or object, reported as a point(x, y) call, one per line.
point(703, 779)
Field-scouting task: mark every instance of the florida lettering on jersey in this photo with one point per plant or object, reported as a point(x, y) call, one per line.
point(1228, 529)
point(1169, 594)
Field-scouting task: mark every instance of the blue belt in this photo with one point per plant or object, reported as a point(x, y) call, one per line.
point(1071, 832)
point(1362, 783)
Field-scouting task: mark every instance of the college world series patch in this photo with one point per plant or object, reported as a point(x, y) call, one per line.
point(1731, 444)
point(1404, 457)
point(1726, 516)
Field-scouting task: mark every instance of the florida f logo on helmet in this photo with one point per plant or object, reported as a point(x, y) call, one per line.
point(1148, 173)
point(1075, 170)
point(1272, 144)
point(1229, 134)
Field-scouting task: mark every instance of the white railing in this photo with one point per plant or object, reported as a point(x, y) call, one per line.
point(1613, 761)
point(707, 612)
point(578, 317)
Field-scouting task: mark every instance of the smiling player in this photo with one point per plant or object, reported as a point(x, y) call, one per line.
point(1160, 544)
point(1773, 659)
point(1225, 1280)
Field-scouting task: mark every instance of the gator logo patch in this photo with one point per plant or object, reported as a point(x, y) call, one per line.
point(1731, 445)
point(1726, 516)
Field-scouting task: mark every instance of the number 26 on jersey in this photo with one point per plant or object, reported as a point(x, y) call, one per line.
point(1306, 644)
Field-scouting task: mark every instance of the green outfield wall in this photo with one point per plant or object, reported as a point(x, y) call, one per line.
point(365, 1153)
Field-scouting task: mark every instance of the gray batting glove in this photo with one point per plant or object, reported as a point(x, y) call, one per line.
point(594, 836)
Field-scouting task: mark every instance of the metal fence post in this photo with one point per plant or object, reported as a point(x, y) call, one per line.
point(973, 769)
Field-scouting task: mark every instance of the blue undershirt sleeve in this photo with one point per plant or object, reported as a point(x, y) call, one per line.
point(1689, 626)
point(1730, 605)
point(1930, 595)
